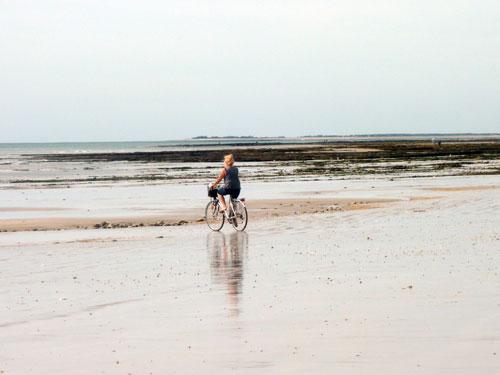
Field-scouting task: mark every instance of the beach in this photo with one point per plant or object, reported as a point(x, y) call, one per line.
point(361, 256)
point(379, 276)
point(140, 184)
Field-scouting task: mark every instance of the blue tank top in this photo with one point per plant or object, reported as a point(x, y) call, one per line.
point(232, 180)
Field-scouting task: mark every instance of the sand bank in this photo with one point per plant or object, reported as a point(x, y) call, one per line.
point(259, 209)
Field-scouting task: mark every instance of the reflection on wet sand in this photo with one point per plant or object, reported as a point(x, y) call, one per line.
point(227, 254)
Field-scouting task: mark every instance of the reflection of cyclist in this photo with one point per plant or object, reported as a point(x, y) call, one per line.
point(227, 264)
point(231, 179)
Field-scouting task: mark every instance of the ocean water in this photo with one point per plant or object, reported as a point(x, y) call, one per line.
point(74, 147)
point(131, 146)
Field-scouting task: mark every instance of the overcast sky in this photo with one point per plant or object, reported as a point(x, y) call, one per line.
point(152, 70)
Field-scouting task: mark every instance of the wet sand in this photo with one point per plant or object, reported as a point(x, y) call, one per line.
point(123, 206)
point(407, 287)
point(260, 209)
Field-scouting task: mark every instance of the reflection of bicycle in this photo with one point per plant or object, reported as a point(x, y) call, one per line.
point(236, 213)
point(227, 257)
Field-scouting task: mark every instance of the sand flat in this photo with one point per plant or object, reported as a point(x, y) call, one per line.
point(464, 188)
point(259, 209)
point(408, 287)
point(171, 204)
point(30, 209)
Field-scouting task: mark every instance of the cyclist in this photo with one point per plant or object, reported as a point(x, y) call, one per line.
point(231, 179)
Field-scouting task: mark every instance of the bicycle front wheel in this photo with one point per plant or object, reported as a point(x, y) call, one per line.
point(240, 219)
point(213, 216)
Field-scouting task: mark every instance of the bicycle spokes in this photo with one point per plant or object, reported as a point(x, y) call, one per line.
point(213, 216)
point(235, 214)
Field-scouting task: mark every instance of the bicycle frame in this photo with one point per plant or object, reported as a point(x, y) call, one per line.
point(235, 211)
point(230, 205)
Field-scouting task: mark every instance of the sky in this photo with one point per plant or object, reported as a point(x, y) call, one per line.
point(153, 70)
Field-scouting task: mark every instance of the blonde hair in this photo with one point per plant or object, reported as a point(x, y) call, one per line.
point(229, 160)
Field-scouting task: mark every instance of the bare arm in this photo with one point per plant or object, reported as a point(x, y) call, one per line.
point(221, 177)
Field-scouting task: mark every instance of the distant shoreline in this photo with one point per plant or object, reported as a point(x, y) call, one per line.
point(388, 135)
point(278, 139)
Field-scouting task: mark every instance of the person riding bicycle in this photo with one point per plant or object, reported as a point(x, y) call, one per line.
point(231, 179)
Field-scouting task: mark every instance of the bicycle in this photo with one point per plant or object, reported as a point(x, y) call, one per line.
point(236, 213)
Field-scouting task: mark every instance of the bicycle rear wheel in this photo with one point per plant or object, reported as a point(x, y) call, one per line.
point(239, 220)
point(213, 216)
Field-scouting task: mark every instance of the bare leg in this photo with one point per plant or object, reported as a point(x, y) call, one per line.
point(222, 201)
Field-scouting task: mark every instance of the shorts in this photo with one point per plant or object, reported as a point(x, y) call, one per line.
point(234, 193)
